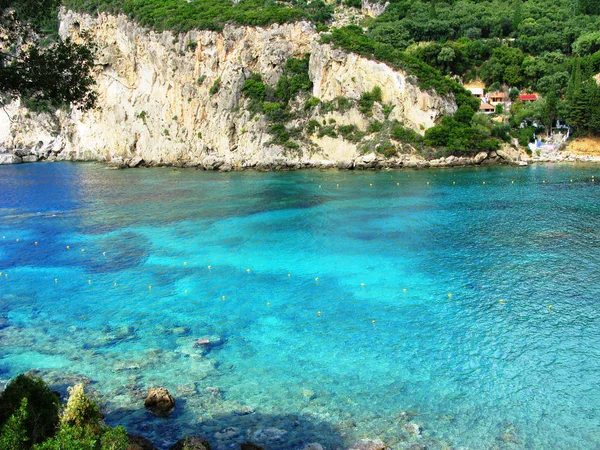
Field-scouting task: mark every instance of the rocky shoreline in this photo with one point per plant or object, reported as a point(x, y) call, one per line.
point(373, 161)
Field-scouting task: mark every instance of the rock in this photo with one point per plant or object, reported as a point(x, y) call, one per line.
point(243, 411)
point(413, 428)
point(369, 444)
point(30, 159)
point(139, 443)
point(159, 401)
point(345, 164)
point(312, 446)
point(191, 443)
point(307, 393)
point(250, 446)
point(479, 157)
point(135, 161)
point(9, 158)
point(227, 434)
point(269, 434)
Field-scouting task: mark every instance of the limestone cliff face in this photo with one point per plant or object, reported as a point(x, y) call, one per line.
point(176, 99)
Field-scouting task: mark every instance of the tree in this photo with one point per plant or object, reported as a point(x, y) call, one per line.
point(50, 75)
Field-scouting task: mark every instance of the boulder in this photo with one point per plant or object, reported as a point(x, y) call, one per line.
point(135, 161)
point(9, 158)
point(159, 401)
point(30, 159)
point(191, 443)
point(479, 157)
point(139, 443)
point(250, 446)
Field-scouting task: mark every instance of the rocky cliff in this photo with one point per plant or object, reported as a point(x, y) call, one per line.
point(177, 99)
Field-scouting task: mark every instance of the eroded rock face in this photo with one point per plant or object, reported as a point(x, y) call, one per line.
point(157, 103)
point(159, 401)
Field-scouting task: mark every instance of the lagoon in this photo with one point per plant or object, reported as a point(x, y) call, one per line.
point(340, 305)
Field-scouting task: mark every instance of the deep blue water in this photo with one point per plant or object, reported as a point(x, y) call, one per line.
point(339, 300)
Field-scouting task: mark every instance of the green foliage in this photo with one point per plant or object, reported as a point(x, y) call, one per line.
point(215, 87)
point(407, 135)
point(459, 138)
point(464, 114)
point(42, 406)
point(13, 434)
point(375, 127)
point(312, 102)
point(294, 79)
point(254, 88)
point(368, 99)
point(312, 126)
point(201, 79)
point(182, 16)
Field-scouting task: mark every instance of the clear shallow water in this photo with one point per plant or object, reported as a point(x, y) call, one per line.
point(475, 372)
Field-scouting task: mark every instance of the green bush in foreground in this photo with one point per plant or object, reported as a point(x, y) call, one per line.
point(34, 421)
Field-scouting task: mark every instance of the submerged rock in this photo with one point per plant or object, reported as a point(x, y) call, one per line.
point(413, 428)
point(250, 446)
point(139, 443)
point(159, 401)
point(369, 444)
point(191, 443)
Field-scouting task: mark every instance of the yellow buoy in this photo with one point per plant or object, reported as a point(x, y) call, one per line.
point(362, 284)
point(373, 321)
point(501, 301)
point(115, 284)
point(319, 313)
point(17, 240)
point(319, 186)
point(209, 267)
point(544, 181)
point(35, 243)
point(428, 182)
point(571, 181)
point(185, 263)
point(56, 280)
point(512, 182)
point(397, 184)
point(185, 292)
point(370, 184)
point(248, 270)
point(454, 182)
point(103, 253)
point(89, 281)
point(289, 274)
point(268, 304)
point(404, 290)
point(68, 247)
point(484, 182)
point(83, 249)
point(150, 287)
point(550, 307)
point(222, 297)
point(317, 279)
point(449, 295)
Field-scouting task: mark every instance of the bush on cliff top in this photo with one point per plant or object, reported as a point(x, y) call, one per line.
point(181, 16)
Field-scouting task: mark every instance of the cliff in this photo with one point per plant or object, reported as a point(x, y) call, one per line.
point(177, 99)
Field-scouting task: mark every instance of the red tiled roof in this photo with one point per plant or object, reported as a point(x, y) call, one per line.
point(527, 97)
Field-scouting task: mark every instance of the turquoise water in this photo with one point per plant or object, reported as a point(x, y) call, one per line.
point(327, 297)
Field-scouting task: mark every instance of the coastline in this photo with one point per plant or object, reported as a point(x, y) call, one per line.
point(507, 155)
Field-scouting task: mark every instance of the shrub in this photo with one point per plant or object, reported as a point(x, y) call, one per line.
point(311, 102)
point(368, 99)
point(13, 434)
point(312, 126)
point(215, 87)
point(42, 406)
point(375, 127)
point(254, 88)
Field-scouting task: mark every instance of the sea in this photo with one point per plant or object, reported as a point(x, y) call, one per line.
point(441, 309)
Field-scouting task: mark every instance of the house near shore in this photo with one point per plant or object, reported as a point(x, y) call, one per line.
point(486, 108)
point(497, 97)
point(527, 97)
point(476, 91)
